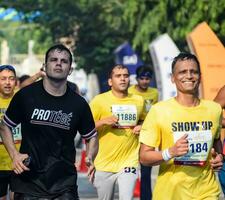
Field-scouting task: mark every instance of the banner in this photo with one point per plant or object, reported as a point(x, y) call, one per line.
point(125, 55)
point(162, 51)
point(211, 54)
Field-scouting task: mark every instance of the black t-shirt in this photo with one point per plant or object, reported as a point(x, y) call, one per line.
point(49, 125)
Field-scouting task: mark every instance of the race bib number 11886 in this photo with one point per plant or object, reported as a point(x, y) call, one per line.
point(126, 114)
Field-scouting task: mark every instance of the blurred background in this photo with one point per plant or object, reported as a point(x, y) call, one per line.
point(102, 33)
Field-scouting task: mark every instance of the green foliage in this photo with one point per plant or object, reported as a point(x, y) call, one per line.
point(176, 17)
point(18, 35)
point(98, 27)
point(101, 30)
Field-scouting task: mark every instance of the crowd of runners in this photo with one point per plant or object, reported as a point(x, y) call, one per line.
point(126, 129)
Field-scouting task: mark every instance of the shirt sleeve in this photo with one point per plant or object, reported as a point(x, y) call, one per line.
point(156, 98)
point(14, 113)
point(95, 109)
point(87, 125)
point(143, 111)
point(150, 131)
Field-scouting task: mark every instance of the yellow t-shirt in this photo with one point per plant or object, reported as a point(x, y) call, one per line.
point(150, 96)
point(165, 120)
point(118, 146)
point(5, 160)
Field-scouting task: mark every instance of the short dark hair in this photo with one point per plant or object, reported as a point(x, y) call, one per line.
point(144, 71)
point(120, 66)
point(23, 78)
point(185, 56)
point(59, 47)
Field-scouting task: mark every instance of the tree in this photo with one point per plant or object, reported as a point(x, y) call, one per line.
point(18, 35)
point(99, 27)
point(96, 27)
point(148, 19)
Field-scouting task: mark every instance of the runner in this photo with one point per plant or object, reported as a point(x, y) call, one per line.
point(7, 90)
point(184, 129)
point(50, 114)
point(117, 115)
point(150, 95)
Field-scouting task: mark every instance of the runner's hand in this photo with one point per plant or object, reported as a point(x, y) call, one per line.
point(180, 148)
point(216, 160)
point(112, 120)
point(17, 165)
point(91, 173)
point(136, 130)
point(91, 169)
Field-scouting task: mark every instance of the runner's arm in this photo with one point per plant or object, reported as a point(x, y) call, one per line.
point(150, 157)
point(92, 150)
point(32, 79)
point(7, 138)
point(217, 156)
point(16, 157)
point(112, 120)
point(92, 147)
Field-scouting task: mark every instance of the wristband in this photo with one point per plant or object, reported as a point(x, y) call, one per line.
point(166, 155)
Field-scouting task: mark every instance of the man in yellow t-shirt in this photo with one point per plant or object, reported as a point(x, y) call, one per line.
point(7, 89)
point(150, 95)
point(117, 115)
point(186, 131)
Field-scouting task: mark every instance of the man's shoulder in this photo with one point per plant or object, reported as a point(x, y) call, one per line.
point(29, 90)
point(153, 90)
point(102, 96)
point(168, 103)
point(135, 96)
point(32, 86)
point(132, 88)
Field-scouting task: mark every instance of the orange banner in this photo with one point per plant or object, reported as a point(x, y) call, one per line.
point(204, 43)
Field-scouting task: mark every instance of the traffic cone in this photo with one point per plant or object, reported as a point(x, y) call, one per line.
point(83, 167)
point(137, 188)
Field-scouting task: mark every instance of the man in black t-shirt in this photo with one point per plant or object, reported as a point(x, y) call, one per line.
point(50, 114)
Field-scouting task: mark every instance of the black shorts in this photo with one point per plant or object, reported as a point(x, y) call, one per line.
point(5, 177)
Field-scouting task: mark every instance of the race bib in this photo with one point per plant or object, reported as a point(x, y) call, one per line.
point(126, 114)
point(17, 137)
point(200, 144)
point(17, 134)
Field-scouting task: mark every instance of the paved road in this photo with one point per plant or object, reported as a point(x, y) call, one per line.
point(87, 191)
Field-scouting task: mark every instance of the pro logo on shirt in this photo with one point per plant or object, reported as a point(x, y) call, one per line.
point(54, 118)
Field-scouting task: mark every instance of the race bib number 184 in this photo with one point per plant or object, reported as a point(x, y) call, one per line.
point(200, 144)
